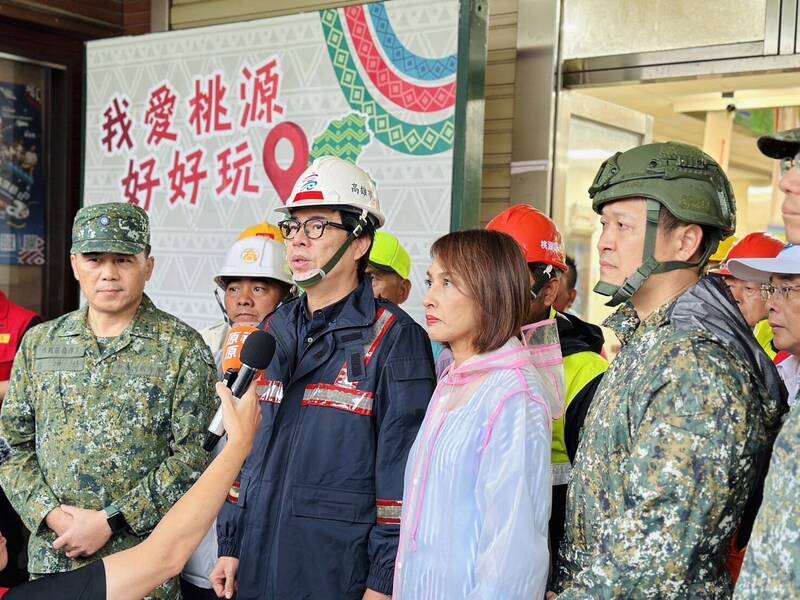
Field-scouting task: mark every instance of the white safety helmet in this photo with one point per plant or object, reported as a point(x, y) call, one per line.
point(255, 258)
point(332, 182)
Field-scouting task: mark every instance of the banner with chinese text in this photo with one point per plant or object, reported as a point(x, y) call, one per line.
point(207, 129)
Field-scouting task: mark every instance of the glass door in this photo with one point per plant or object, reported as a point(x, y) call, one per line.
point(588, 131)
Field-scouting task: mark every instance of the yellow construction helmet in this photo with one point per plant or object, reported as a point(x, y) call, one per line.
point(266, 230)
point(723, 249)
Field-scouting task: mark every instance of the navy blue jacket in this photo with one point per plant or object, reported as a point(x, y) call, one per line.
point(316, 512)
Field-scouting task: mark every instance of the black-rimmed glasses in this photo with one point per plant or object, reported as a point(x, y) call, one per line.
point(313, 227)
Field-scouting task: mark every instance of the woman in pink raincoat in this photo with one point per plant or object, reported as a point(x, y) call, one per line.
point(477, 489)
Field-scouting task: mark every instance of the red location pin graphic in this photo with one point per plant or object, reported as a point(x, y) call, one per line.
point(283, 180)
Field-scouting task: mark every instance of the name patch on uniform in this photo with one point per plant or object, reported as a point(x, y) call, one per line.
point(58, 364)
point(5, 338)
point(145, 370)
point(60, 351)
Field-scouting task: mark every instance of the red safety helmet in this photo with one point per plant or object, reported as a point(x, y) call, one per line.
point(533, 230)
point(754, 245)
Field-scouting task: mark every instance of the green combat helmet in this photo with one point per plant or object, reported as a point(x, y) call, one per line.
point(681, 178)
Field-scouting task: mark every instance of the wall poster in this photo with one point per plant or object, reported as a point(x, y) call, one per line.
point(207, 129)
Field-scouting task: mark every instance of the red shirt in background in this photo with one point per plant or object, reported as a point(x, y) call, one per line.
point(14, 322)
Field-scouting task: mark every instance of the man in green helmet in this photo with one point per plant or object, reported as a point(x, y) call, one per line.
point(668, 454)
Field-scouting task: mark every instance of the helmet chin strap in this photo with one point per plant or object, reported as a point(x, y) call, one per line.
point(317, 275)
point(222, 307)
point(621, 293)
point(541, 281)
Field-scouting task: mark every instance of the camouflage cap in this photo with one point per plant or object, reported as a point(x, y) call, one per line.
point(116, 227)
point(783, 144)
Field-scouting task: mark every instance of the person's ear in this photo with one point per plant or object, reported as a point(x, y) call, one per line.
point(361, 246)
point(405, 290)
point(571, 295)
point(690, 242)
point(151, 264)
point(549, 292)
point(73, 261)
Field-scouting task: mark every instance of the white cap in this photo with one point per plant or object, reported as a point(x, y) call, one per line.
point(760, 269)
point(333, 182)
point(255, 258)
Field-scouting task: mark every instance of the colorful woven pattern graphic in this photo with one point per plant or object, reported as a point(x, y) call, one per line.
point(344, 138)
point(397, 94)
point(408, 63)
point(405, 94)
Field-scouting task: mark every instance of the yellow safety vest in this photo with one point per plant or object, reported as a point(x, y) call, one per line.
point(579, 369)
point(763, 333)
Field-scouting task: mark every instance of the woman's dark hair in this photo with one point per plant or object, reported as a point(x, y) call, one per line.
point(492, 271)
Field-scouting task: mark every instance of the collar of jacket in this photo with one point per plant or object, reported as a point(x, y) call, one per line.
point(144, 323)
point(625, 323)
point(708, 306)
point(358, 309)
point(576, 335)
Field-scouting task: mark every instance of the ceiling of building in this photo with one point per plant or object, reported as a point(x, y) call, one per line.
point(664, 100)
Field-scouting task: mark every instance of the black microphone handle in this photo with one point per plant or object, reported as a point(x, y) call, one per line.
point(211, 441)
point(243, 380)
point(238, 386)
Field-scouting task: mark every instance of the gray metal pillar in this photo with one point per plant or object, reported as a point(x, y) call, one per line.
point(535, 98)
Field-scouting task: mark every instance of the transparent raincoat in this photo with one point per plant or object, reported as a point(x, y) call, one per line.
point(476, 499)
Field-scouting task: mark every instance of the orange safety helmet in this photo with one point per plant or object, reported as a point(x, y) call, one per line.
point(533, 230)
point(754, 245)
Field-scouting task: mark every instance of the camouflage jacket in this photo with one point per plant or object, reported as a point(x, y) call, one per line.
point(772, 563)
point(665, 464)
point(91, 428)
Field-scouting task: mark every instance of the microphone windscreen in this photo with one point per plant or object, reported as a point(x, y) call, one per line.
point(231, 354)
point(5, 450)
point(258, 350)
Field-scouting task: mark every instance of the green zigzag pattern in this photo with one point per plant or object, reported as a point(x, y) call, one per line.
point(344, 138)
point(420, 140)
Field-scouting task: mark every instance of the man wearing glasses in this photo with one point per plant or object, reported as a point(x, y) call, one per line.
point(772, 565)
point(316, 512)
point(780, 288)
point(748, 293)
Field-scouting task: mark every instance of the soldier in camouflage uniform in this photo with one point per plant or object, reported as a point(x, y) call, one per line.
point(772, 563)
point(107, 405)
point(667, 456)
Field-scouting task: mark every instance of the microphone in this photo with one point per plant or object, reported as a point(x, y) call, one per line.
point(5, 450)
point(256, 354)
point(232, 350)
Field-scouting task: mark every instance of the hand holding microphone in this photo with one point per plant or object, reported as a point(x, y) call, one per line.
point(256, 353)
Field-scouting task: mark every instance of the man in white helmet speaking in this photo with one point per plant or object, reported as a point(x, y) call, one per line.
point(316, 512)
